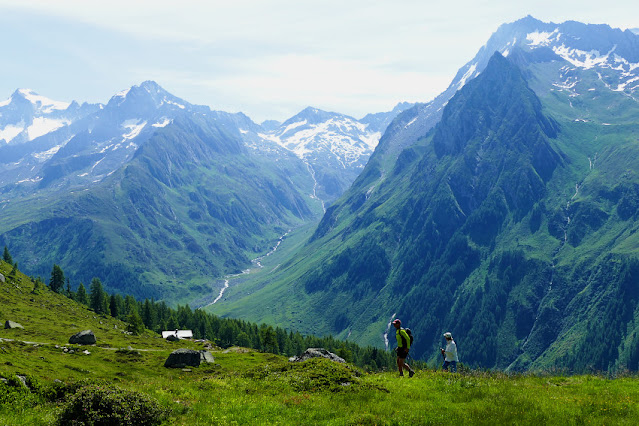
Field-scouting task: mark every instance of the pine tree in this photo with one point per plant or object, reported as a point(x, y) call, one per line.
point(129, 304)
point(136, 326)
point(14, 270)
point(56, 283)
point(38, 285)
point(113, 306)
point(96, 297)
point(7, 257)
point(81, 295)
point(268, 338)
point(68, 291)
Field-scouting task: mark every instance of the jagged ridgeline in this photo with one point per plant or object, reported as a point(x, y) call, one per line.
point(510, 224)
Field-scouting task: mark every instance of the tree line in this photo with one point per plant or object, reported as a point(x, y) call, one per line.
point(224, 332)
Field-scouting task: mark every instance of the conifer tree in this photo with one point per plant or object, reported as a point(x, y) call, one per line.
point(81, 295)
point(7, 257)
point(97, 300)
point(14, 270)
point(56, 283)
point(268, 338)
point(68, 291)
point(38, 285)
point(129, 304)
point(136, 326)
point(113, 306)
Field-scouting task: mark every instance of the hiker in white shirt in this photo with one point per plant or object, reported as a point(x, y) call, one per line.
point(450, 353)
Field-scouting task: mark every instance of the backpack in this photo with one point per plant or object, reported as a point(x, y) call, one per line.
point(410, 334)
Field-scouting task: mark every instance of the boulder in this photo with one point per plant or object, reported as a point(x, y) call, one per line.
point(11, 324)
point(172, 338)
point(85, 337)
point(182, 358)
point(316, 353)
point(2, 278)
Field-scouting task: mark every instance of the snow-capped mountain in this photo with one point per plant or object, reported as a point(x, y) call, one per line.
point(604, 54)
point(313, 133)
point(54, 143)
point(335, 147)
point(26, 116)
point(51, 144)
point(609, 52)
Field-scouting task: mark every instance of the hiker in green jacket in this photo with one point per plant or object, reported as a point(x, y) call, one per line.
point(403, 346)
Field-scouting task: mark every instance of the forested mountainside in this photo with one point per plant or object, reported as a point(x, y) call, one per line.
point(512, 223)
point(161, 197)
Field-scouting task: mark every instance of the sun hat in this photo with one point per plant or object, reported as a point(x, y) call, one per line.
point(448, 335)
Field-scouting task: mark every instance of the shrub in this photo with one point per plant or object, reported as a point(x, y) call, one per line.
point(13, 391)
point(99, 405)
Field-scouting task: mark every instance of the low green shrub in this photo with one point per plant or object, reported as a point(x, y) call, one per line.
point(14, 391)
point(107, 405)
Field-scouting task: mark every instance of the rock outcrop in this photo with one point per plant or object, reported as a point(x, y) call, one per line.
point(316, 353)
point(11, 324)
point(181, 358)
point(85, 337)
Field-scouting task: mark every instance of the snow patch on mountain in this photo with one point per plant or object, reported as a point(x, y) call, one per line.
point(293, 126)
point(122, 94)
point(43, 104)
point(580, 58)
point(410, 122)
point(168, 102)
point(543, 38)
point(470, 74)
point(165, 122)
point(345, 138)
point(45, 155)
point(134, 128)
point(43, 125)
point(11, 131)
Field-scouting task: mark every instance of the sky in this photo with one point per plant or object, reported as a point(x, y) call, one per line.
point(269, 59)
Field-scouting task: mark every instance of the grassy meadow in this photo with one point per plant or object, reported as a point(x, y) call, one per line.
point(247, 387)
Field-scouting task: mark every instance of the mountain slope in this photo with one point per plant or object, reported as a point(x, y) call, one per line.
point(334, 147)
point(507, 224)
point(154, 211)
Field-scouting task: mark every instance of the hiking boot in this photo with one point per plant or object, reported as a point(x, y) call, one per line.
point(411, 373)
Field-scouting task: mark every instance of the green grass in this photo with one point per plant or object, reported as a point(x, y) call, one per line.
point(248, 387)
point(255, 388)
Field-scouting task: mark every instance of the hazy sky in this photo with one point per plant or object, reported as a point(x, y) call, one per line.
point(269, 58)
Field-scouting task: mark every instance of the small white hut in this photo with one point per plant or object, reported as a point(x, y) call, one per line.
point(180, 334)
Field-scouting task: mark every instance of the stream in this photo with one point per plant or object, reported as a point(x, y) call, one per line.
point(258, 264)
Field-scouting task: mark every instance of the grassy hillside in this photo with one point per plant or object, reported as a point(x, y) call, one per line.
point(248, 387)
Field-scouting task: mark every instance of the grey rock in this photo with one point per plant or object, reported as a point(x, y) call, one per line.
point(316, 353)
point(11, 324)
point(182, 358)
point(2, 278)
point(207, 357)
point(172, 338)
point(23, 379)
point(85, 337)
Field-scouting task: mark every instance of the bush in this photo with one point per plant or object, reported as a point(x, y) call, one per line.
point(13, 391)
point(99, 405)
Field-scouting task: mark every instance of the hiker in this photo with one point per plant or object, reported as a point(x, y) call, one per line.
point(403, 346)
point(450, 353)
